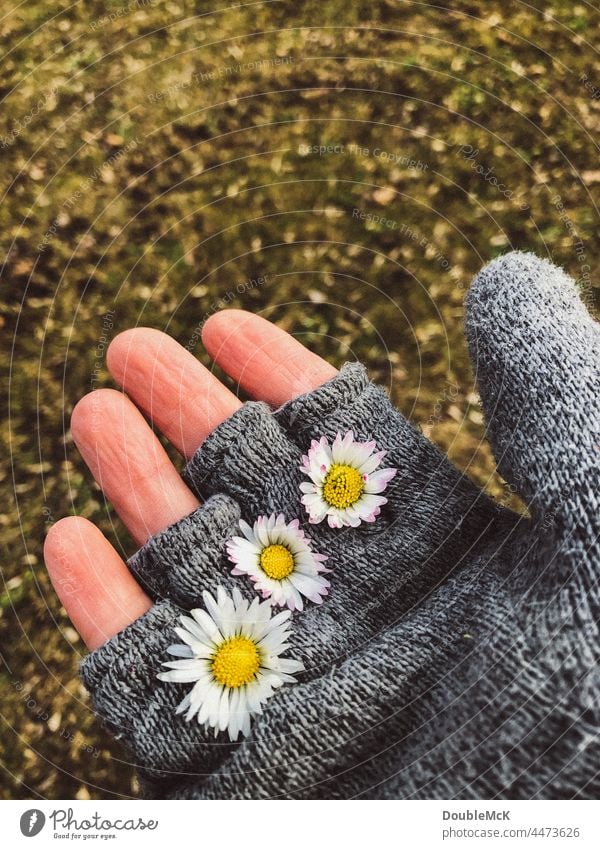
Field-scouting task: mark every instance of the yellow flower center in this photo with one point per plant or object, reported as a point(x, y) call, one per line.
point(343, 486)
point(277, 561)
point(236, 662)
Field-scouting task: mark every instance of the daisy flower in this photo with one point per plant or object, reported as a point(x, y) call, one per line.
point(232, 653)
point(278, 559)
point(345, 481)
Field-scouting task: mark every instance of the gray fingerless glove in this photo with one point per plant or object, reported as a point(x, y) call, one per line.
point(455, 653)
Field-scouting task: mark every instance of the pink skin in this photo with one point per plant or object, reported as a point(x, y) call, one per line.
point(186, 402)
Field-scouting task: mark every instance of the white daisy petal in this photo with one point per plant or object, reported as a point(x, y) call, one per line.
point(370, 502)
point(246, 724)
point(186, 663)
point(192, 642)
point(271, 624)
point(233, 723)
point(179, 676)
point(183, 704)
point(314, 588)
point(290, 666)
point(253, 696)
point(243, 713)
point(223, 709)
point(208, 708)
point(246, 530)
point(214, 611)
point(377, 481)
point(370, 464)
point(180, 651)
point(196, 626)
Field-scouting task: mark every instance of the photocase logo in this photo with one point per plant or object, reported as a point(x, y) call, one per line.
point(32, 822)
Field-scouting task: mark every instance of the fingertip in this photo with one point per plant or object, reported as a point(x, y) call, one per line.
point(166, 381)
point(126, 348)
point(220, 325)
point(524, 288)
point(118, 352)
point(90, 412)
point(269, 363)
point(60, 536)
point(63, 538)
point(92, 582)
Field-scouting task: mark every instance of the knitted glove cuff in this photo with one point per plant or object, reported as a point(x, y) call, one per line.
point(255, 455)
point(188, 556)
point(130, 659)
point(241, 455)
point(137, 707)
point(312, 409)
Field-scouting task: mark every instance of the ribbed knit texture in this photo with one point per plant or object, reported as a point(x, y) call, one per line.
point(456, 656)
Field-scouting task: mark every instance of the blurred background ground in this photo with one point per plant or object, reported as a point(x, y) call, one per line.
point(364, 159)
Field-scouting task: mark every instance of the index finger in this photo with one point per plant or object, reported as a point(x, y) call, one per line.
point(268, 363)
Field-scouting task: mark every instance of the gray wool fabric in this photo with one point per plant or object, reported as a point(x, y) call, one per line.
point(457, 655)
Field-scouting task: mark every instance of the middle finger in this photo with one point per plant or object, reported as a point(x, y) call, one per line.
point(184, 400)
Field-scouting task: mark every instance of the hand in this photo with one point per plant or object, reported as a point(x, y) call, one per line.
point(455, 656)
point(184, 401)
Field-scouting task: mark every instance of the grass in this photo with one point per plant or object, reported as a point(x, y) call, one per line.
point(158, 161)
